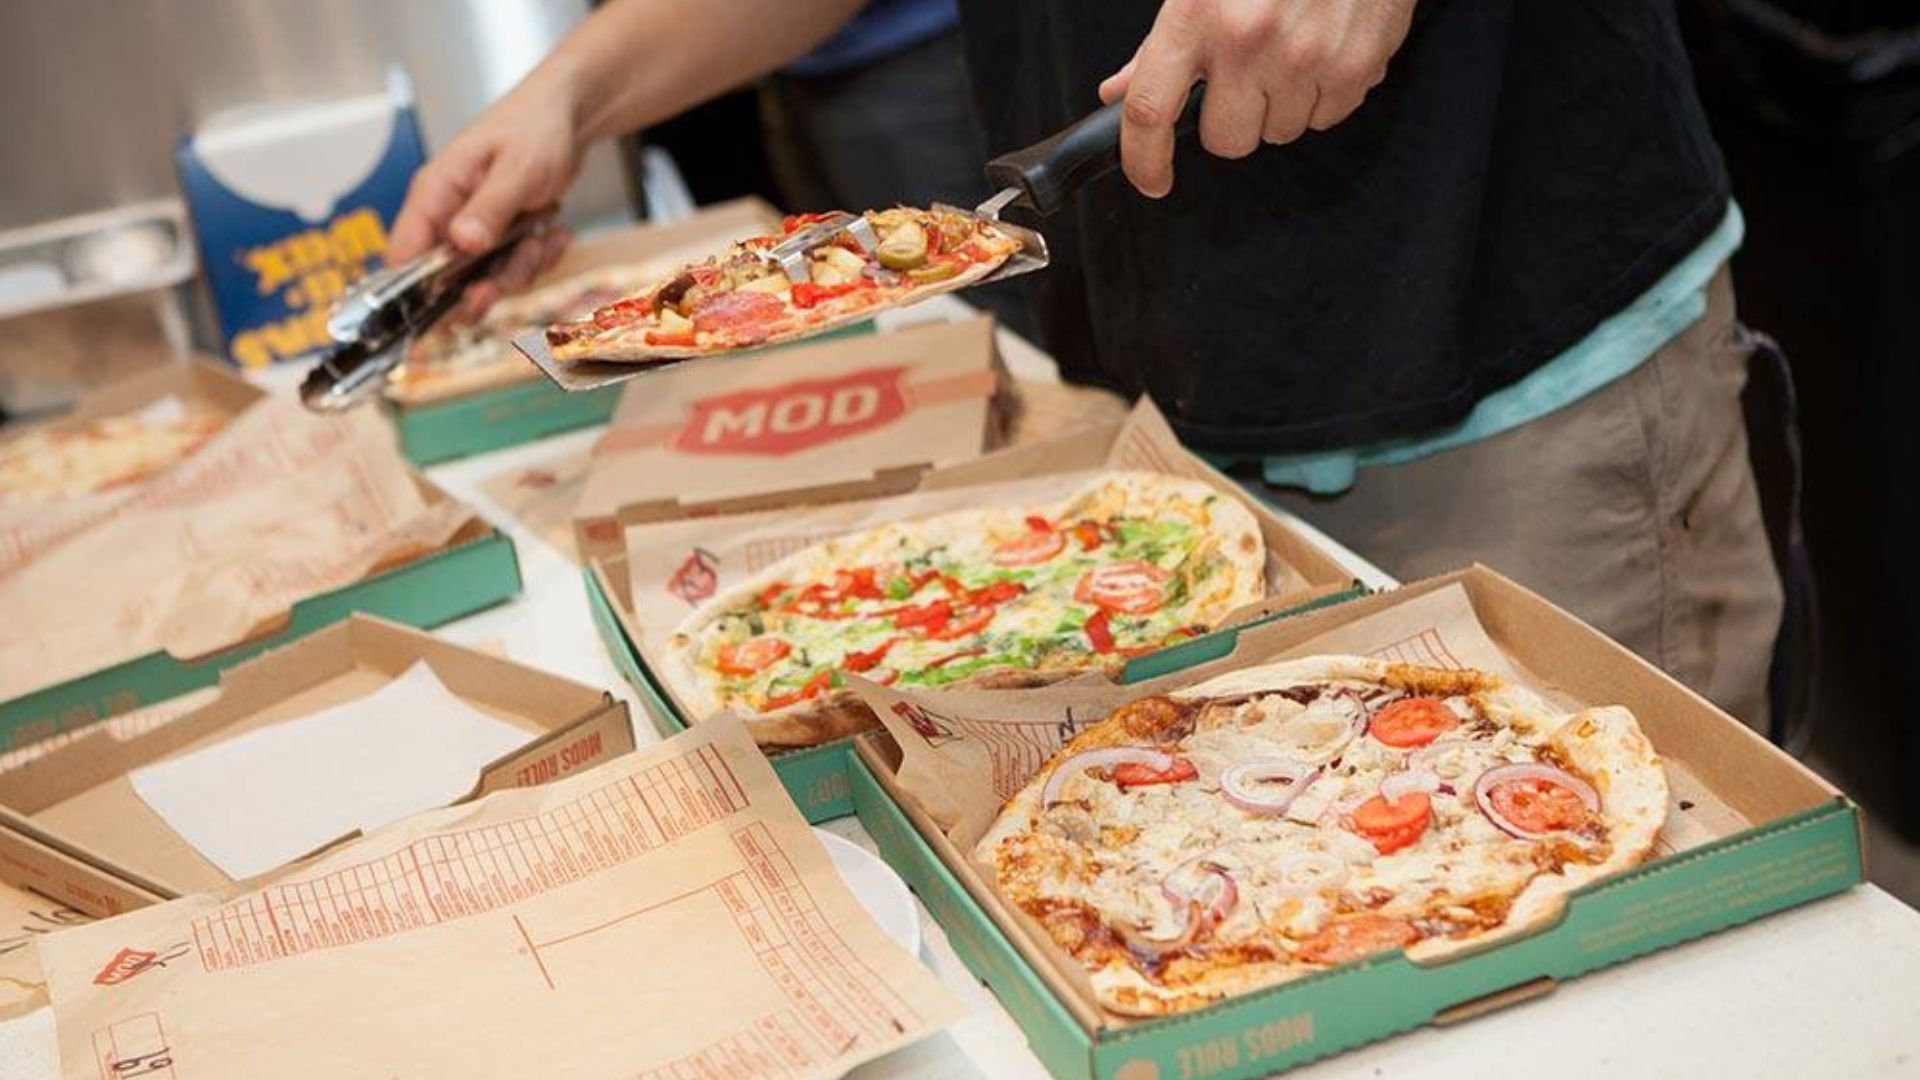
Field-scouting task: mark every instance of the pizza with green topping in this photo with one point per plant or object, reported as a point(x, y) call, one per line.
point(994, 596)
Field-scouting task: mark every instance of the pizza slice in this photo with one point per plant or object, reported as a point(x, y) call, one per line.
point(742, 300)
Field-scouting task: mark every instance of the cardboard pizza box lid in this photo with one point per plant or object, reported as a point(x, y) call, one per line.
point(817, 422)
point(71, 812)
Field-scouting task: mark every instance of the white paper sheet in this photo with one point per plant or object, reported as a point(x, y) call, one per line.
point(254, 802)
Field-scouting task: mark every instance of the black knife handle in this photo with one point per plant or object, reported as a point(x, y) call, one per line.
point(1053, 170)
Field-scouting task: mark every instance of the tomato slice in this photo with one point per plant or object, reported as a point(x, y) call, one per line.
point(1036, 523)
point(1356, 936)
point(1031, 549)
point(771, 595)
point(929, 617)
point(858, 583)
point(752, 655)
point(995, 592)
point(813, 689)
point(1128, 588)
point(1099, 631)
point(1392, 825)
point(1088, 535)
point(966, 625)
point(868, 660)
point(1134, 774)
point(963, 654)
point(1539, 805)
point(1412, 722)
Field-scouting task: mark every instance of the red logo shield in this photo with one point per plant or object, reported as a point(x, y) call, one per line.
point(778, 420)
point(125, 965)
point(696, 579)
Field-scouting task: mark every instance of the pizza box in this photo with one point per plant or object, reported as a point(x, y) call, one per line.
point(73, 828)
point(202, 382)
point(822, 418)
point(816, 776)
point(476, 569)
point(1752, 832)
point(508, 403)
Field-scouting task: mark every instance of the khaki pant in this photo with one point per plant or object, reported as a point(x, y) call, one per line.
point(1634, 508)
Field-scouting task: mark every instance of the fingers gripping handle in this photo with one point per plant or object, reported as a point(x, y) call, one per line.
point(1053, 170)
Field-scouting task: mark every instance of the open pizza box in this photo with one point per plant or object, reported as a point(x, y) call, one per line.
point(671, 567)
point(360, 532)
point(1749, 831)
point(91, 823)
point(504, 402)
point(202, 383)
point(818, 422)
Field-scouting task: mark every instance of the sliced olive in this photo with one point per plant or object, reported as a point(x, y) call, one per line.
point(905, 247)
point(940, 271)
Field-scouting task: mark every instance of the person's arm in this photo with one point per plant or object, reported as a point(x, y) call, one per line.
point(1273, 68)
point(629, 64)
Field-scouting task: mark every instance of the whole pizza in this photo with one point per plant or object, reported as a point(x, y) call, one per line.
point(742, 299)
point(1279, 821)
point(66, 461)
point(997, 595)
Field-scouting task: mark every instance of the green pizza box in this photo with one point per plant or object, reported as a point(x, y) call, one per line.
point(475, 570)
point(1751, 832)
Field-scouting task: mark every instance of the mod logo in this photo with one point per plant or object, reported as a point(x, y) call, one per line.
point(784, 419)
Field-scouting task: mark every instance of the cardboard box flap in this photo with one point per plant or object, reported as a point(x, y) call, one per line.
point(78, 794)
point(202, 380)
point(811, 423)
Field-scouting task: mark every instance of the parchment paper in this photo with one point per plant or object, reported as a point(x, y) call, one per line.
point(280, 506)
point(964, 755)
point(666, 914)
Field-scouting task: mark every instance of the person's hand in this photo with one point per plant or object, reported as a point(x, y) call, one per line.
point(1273, 68)
point(521, 154)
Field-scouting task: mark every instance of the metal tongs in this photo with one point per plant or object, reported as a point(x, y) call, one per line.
point(376, 320)
point(1041, 178)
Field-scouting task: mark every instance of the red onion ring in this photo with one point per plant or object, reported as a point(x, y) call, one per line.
point(1194, 916)
point(1237, 784)
point(1331, 873)
point(1526, 770)
point(1112, 755)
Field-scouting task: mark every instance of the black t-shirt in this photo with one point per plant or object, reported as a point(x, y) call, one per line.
point(1527, 169)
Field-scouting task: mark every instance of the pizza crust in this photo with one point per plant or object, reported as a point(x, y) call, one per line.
point(838, 713)
point(1605, 745)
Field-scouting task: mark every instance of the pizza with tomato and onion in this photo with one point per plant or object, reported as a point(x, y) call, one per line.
point(741, 299)
point(1282, 820)
point(992, 596)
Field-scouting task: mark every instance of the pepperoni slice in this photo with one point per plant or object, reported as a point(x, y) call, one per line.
point(1030, 549)
point(738, 313)
point(1128, 588)
point(752, 655)
point(1412, 722)
point(1356, 936)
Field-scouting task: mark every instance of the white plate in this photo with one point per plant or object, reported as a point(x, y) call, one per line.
point(878, 889)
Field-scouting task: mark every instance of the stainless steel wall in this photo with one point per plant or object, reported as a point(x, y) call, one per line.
point(94, 93)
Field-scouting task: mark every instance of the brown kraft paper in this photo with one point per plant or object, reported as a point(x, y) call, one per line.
point(280, 506)
point(665, 914)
